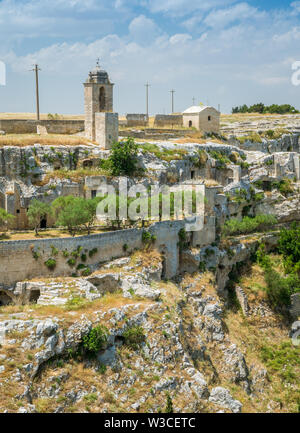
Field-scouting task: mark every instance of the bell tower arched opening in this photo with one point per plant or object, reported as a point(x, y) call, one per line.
point(102, 99)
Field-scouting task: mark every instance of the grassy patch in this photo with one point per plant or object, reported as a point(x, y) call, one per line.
point(22, 140)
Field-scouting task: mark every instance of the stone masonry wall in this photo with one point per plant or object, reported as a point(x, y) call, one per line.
point(19, 126)
point(17, 262)
point(168, 120)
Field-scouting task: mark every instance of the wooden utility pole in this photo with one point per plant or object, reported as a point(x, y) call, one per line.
point(172, 93)
point(147, 85)
point(36, 70)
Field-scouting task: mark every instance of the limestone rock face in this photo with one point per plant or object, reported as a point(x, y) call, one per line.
point(222, 397)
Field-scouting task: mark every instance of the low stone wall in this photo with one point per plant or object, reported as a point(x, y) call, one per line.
point(19, 126)
point(18, 262)
point(162, 120)
point(156, 133)
point(137, 119)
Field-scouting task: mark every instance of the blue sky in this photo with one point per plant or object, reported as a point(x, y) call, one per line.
point(225, 52)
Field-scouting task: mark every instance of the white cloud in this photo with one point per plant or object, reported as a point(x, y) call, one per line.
point(296, 6)
point(233, 57)
point(180, 38)
point(289, 36)
point(239, 12)
point(143, 29)
point(184, 7)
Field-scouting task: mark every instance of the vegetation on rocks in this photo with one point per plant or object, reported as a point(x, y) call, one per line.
point(261, 108)
point(96, 339)
point(5, 219)
point(234, 226)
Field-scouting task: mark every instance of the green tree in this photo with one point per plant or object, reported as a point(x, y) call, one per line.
point(289, 246)
point(123, 157)
point(60, 203)
point(5, 219)
point(36, 211)
point(77, 213)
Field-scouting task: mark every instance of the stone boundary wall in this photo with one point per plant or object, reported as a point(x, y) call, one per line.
point(137, 119)
point(17, 262)
point(19, 126)
point(168, 120)
point(156, 133)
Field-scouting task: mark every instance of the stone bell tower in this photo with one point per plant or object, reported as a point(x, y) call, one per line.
point(98, 98)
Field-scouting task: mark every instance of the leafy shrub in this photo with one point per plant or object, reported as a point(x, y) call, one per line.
point(284, 186)
point(96, 339)
point(222, 159)
point(148, 238)
point(54, 250)
point(50, 263)
point(123, 158)
point(93, 252)
point(87, 271)
point(5, 219)
point(248, 225)
point(201, 158)
point(279, 289)
point(169, 405)
point(71, 262)
point(83, 257)
point(283, 358)
point(134, 336)
point(289, 246)
point(202, 267)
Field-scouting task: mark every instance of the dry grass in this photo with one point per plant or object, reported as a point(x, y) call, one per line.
point(74, 175)
point(23, 140)
point(32, 116)
point(45, 234)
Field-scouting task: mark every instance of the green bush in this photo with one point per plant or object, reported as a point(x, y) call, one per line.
point(87, 271)
point(289, 246)
point(148, 238)
point(123, 158)
point(96, 339)
point(284, 359)
point(235, 226)
point(133, 337)
point(284, 186)
point(71, 262)
point(169, 405)
point(93, 252)
point(279, 289)
point(50, 263)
